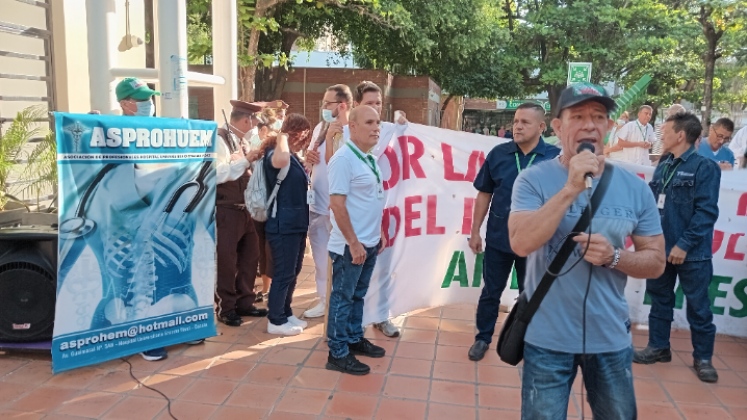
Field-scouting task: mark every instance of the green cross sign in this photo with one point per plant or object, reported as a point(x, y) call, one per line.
point(579, 72)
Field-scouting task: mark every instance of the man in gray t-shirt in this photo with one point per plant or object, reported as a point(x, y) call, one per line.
point(547, 201)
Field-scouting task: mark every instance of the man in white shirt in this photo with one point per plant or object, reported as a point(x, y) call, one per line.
point(636, 138)
point(335, 109)
point(738, 145)
point(357, 203)
point(237, 241)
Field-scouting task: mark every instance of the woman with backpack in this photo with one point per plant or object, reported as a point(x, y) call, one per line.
point(286, 227)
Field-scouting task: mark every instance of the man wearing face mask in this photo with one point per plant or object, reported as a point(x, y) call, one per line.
point(338, 99)
point(237, 241)
point(280, 109)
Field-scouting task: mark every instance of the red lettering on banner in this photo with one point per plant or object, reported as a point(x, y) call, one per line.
point(388, 214)
point(731, 253)
point(742, 206)
point(718, 239)
point(476, 160)
point(469, 205)
point(410, 161)
point(411, 215)
point(450, 174)
point(391, 156)
point(430, 227)
point(643, 177)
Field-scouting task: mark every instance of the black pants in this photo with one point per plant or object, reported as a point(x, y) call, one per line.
point(496, 268)
point(288, 253)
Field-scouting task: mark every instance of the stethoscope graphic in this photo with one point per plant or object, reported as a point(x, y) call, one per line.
point(73, 231)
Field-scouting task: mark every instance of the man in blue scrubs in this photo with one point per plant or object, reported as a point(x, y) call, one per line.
point(494, 183)
point(712, 147)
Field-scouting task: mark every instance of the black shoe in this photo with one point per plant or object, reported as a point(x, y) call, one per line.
point(477, 351)
point(348, 364)
point(260, 297)
point(231, 319)
point(651, 355)
point(706, 371)
point(255, 312)
point(366, 348)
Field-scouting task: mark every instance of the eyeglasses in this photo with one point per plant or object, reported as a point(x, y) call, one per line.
point(719, 137)
point(325, 103)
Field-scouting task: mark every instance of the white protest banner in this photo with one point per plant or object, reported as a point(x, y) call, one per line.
point(428, 217)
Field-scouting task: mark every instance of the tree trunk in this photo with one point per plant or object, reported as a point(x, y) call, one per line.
point(443, 108)
point(289, 38)
point(553, 93)
point(713, 37)
point(249, 73)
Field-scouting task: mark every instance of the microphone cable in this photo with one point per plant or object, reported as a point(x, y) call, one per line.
point(586, 294)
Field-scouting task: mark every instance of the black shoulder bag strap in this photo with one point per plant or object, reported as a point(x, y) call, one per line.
point(565, 251)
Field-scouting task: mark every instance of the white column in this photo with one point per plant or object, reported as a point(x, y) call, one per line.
point(171, 20)
point(102, 55)
point(225, 62)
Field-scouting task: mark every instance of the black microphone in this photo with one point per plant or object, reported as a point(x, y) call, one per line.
point(589, 176)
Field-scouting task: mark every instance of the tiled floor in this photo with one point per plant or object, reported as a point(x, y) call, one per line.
point(246, 374)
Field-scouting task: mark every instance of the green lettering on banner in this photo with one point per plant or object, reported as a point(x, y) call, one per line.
point(457, 258)
point(679, 297)
point(740, 291)
point(477, 278)
point(514, 279)
point(714, 292)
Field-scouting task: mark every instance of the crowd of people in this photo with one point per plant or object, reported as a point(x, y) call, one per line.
point(330, 192)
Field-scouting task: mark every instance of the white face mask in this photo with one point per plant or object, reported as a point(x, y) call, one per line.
point(145, 109)
point(327, 115)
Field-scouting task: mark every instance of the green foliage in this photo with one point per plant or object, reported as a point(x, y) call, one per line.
point(41, 172)
point(23, 128)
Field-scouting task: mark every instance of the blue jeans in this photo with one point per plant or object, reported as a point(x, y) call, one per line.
point(548, 377)
point(287, 260)
point(496, 268)
point(349, 287)
point(695, 278)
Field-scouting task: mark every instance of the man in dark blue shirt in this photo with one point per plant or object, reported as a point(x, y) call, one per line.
point(686, 186)
point(494, 183)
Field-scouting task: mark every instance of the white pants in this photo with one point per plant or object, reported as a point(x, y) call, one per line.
point(319, 229)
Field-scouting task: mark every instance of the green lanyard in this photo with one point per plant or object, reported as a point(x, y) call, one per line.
point(518, 165)
point(665, 172)
point(641, 130)
point(369, 162)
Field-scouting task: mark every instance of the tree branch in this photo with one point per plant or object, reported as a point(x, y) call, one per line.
point(362, 10)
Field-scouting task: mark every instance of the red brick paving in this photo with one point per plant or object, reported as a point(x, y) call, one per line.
point(247, 374)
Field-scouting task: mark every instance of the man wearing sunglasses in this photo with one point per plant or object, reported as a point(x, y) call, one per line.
point(712, 146)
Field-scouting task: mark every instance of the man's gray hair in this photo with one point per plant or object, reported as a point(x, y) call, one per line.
point(642, 107)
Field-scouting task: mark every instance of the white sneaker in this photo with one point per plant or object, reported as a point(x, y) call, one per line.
point(297, 322)
point(389, 329)
point(285, 329)
point(317, 311)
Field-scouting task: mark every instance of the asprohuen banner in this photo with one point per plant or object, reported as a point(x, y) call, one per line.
point(136, 258)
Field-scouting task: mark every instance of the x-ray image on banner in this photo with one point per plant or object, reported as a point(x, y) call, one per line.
point(136, 258)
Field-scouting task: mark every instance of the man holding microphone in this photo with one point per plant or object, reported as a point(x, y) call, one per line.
point(583, 320)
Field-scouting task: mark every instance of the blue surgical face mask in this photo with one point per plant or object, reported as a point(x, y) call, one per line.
point(145, 109)
point(327, 115)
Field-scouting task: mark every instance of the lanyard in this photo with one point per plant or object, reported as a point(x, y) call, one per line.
point(641, 130)
point(665, 172)
point(518, 165)
point(369, 162)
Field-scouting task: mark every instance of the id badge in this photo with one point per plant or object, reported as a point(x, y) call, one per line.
point(380, 191)
point(660, 202)
point(310, 198)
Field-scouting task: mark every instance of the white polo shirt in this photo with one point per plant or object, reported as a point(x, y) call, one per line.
point(635, 131)
point(352, 174)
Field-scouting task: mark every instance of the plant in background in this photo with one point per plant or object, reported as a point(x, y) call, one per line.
point(23, 128)
point(41, 173)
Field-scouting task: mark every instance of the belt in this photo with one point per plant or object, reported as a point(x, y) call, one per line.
point(231, 205)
